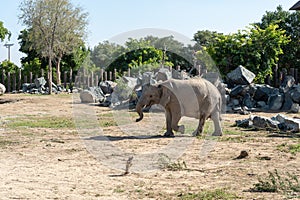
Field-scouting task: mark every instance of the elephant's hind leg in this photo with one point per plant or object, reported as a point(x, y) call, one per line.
point(217, 123)
point(169, 132)
point(199, 130)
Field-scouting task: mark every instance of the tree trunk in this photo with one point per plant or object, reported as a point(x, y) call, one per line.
point(58, 82)
point(50, 75)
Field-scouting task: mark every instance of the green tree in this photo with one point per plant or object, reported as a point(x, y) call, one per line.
point(290, 22)
point(105, 53)
point(56, 28)
point(255, 48)
point(4, 32)
point(263, 48)
point(206, 37)
point(9, 66)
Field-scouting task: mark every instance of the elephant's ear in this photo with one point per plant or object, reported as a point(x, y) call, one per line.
point(165, 95)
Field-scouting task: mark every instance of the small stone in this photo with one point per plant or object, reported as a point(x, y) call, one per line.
point(242, 155)
point(245, 123)
point(295, 108)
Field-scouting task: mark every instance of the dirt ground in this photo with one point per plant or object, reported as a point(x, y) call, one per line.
point(57, 162)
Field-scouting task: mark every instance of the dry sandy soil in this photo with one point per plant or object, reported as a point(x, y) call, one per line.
point(62, 161)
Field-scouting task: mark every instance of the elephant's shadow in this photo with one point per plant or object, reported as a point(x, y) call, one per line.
point(128, 137)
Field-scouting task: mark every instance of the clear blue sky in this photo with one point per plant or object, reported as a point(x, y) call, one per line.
point(110, 18)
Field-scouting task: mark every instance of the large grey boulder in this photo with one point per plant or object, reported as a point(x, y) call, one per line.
point(87, 96)
point(262, 92)
point(92, 95)
point(295, 94)
point(237, 91)
point(148, 78)
point(181, 75)
point(107, 87)
point(2, 89)
point(163, 74)
point(131, 82)
point(265, 123)
point(288, 124)
point(40, 82)
point(287, 83)
point(288, 102)
point(275, 102)
point(240, 76)
point(248, 101)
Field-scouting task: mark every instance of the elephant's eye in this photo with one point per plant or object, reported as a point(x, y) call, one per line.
point(150, 96)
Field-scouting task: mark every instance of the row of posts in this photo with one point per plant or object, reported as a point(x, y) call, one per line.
point(14, 81)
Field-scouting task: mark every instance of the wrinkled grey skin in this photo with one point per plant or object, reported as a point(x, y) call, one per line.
point(197, 98)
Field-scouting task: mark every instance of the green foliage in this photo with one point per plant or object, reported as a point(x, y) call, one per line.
point(33, 66)
point(137, 53)
point(255, 48)
point(144, 68)
point(290, 22)
point(206, 38)
point(166, 163)
point(209, 195)
point(287, 183)
point(4, 32)
point(292, 148)
point(263, 49)
point(8, 66)
point(56, 28)
point(4, 143)
point(41, 122)
point(105, 53)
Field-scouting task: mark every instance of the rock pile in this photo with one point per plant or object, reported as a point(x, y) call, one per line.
point(98, 94)
point(109, 93)
point(243, 96)
point(240, 94)
point(279, 123)
point(40, 87)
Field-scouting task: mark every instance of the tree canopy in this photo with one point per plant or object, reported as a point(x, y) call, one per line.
point(290, 22)
point(145, 51)
point(56, 28)
point(4, 32)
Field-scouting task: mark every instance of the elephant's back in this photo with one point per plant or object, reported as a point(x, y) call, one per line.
point(196, 96)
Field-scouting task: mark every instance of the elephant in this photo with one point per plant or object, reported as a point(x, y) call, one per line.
point(196, 97)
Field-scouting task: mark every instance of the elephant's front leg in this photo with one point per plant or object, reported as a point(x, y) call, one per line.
point(169, 132)
point(176, 116)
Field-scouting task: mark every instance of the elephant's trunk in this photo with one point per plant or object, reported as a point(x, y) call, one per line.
point(139, 109)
